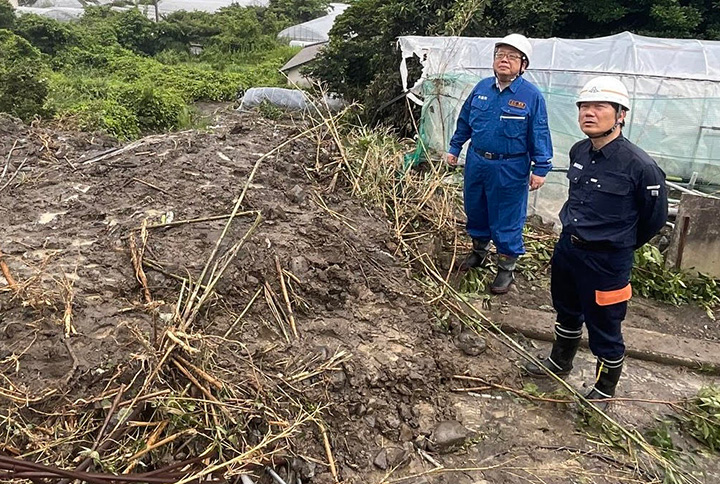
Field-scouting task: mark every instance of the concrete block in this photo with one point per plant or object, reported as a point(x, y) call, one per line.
point(695, 243)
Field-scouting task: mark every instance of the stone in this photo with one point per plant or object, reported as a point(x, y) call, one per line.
point(305, 469)
point(406, 433)
point(299, 266)
point(381, 460)
point(391, 457)
point(392, 421)
point(470, 343)
point(448, 434)
point(297, 194)
point(337, 380)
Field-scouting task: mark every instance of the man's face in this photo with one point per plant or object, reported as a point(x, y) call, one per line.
point(508, 62)
point(597, 117)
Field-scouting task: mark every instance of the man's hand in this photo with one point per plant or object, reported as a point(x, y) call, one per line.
point(536, 182)
point(452, 160)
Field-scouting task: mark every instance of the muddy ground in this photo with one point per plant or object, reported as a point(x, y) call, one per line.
point(393, 406)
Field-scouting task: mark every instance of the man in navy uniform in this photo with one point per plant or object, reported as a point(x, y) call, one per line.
point(617, 202)
point(506, 121)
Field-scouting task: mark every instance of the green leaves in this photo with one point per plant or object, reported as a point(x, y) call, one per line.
point(7, 15)
point(124, 94)
point(298, 11)
point(702, 417)
point(650, 278)
point(23, 88)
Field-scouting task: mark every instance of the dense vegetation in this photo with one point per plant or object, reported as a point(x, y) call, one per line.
point(361, 61)
point(122, 73)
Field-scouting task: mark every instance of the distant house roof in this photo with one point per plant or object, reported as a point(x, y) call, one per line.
point(315, 30)
point(304, 56)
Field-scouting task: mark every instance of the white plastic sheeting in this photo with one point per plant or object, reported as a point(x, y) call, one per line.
point(58, 3)
point(313, 31)
point(72, 9)
point(674, 87)
point(289, 99)
point(63, 14)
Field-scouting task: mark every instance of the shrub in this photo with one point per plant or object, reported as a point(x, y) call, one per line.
point(7, 15)
point(156, 108)
point(23, 88)
point(136, 32)
point(46, 34)
point(106, 115)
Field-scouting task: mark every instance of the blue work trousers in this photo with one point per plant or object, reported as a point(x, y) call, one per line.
point(496, 196)
point(592, 287)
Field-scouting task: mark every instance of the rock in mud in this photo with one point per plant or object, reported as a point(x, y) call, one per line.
point(296, 194)
point(447, 435)
point(299, 266)
point(392, 457)
point(470, 343)
point(304, 468)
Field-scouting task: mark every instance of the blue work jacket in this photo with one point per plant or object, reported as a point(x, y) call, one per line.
point(617, 194)
point(507, 122)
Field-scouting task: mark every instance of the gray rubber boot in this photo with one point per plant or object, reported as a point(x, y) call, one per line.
point(505, 275)
point(477, 257)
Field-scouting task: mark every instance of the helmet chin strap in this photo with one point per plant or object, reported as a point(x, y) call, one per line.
point(511, 80)
point(611, 130)
point(606, 133)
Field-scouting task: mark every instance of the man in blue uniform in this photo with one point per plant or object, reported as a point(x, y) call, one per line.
point(506, 121)
point(617, 202)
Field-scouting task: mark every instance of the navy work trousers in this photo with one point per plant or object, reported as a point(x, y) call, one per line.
point(592, 287)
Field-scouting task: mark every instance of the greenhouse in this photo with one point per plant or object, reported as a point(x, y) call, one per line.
point(674, 88)
point(71, 9)
point(315, 30)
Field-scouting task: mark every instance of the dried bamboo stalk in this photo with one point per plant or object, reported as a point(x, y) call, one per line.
point(202, 373)
point(136, 256)
point(204, 390)
point(291, 316)
point(328, 451)
point(242, 314)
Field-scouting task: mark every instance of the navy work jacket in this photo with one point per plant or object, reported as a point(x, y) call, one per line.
point(511, 121)
point(617, 194)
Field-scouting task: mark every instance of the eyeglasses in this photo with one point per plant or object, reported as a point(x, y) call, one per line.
point(511, 56)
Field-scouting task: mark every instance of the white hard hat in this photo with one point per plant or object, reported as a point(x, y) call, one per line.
point(605, 89)
point(518, 41)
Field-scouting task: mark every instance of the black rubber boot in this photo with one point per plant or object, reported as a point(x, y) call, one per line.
point(505, 275)
point(561, 356)
point(477, 257)
point(607, 377)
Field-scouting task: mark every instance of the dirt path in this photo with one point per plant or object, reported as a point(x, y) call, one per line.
point(370, 349)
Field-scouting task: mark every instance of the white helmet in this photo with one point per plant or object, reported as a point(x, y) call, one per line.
point(605, 89)
point(518, 41)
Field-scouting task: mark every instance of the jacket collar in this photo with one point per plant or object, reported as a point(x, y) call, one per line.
point(513, 85)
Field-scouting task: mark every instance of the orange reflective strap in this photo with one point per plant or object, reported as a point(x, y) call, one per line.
point(608, 298)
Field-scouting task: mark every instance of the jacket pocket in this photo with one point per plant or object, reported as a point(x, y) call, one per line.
point(611, 195)
point(514, 123)
point(479, 112)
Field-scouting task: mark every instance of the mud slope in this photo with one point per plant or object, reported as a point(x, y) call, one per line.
point(387, 381)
